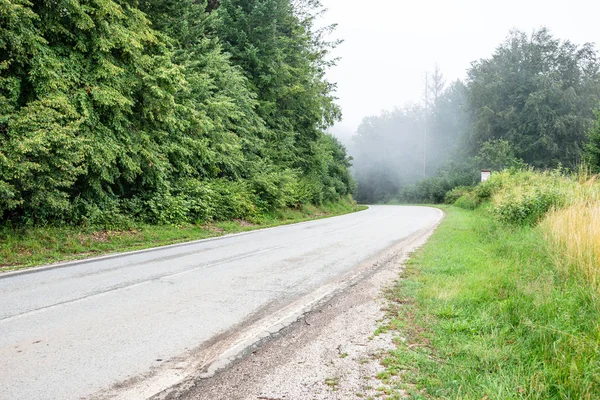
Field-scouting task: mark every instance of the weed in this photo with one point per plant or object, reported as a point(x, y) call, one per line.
point(333, 383)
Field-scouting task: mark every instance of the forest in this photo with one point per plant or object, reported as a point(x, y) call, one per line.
point(171, 112)
point(164, 111)
point(531, 104)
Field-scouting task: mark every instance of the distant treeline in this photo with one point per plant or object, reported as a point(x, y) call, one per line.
point(532, 102)
point(164, 111)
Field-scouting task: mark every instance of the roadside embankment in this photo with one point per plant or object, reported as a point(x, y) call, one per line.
point(503, 301)
point(28, 247)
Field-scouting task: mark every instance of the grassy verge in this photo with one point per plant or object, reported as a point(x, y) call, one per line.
point(485, 312)
point(37, 246)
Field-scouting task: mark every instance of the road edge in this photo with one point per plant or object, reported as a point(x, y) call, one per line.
point(73, 263)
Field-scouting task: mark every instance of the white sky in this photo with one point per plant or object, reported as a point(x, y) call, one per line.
point(389, 44)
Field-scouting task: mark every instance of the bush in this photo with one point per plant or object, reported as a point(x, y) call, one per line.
point(278, 190)
point(197, 201)
point(468, 201)
point(521, 205)
point(435, 188)
point(454, 194)
point(485, 190)
point(110, 214)
point(525, 196)
point(167, 209)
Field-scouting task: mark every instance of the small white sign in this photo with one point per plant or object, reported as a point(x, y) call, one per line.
point(485, 175)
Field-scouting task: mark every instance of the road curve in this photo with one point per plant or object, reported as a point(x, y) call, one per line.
point(72, 332)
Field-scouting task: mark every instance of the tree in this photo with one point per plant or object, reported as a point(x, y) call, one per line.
point(88, 99)
point(538, 93)
point(435, 87)
point(132, 109)
point(592, 147)
point(284, 59)
point(497, 155)
point(222, 126)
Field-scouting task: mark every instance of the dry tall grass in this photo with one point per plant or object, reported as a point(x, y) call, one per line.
point(566, 205)
point(575, 230)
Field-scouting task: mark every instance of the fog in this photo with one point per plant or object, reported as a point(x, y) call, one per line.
point(390, 44)
point(388, 49)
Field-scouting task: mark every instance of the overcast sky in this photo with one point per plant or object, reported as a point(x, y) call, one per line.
point(389, 44)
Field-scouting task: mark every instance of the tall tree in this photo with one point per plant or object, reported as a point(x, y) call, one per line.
point(132, 108)
point(273, 41)
point(538, 93)
point(435, 86)
point(222, 123)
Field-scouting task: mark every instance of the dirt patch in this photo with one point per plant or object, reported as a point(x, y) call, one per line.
point(102, 236)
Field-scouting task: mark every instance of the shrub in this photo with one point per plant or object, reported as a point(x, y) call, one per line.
point(232, 200)
point(203, 199)
point(468, 201)
point(277, 189)
point(454, 194)
point(526, 205)
point(165, 208)
point(110, 214)
point(524, 196)
point(435, 188)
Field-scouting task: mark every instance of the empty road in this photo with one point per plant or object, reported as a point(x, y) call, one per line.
point(74, 332)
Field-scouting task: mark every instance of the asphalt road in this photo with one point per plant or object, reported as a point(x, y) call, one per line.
point(72, 332)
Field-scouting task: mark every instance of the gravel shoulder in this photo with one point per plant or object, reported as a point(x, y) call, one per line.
point(332, 352)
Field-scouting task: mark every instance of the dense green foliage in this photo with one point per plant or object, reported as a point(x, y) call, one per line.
point(524, 196)
point(113, 111)
point(539, 93)
point(531, 103)
point(285, 64)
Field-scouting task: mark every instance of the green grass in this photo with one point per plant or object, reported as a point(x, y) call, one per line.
point(486, 314)
point(38, 246)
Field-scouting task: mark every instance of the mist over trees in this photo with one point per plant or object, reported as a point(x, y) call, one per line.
point(164, 111)
point(531, 103)
point(402, 147)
